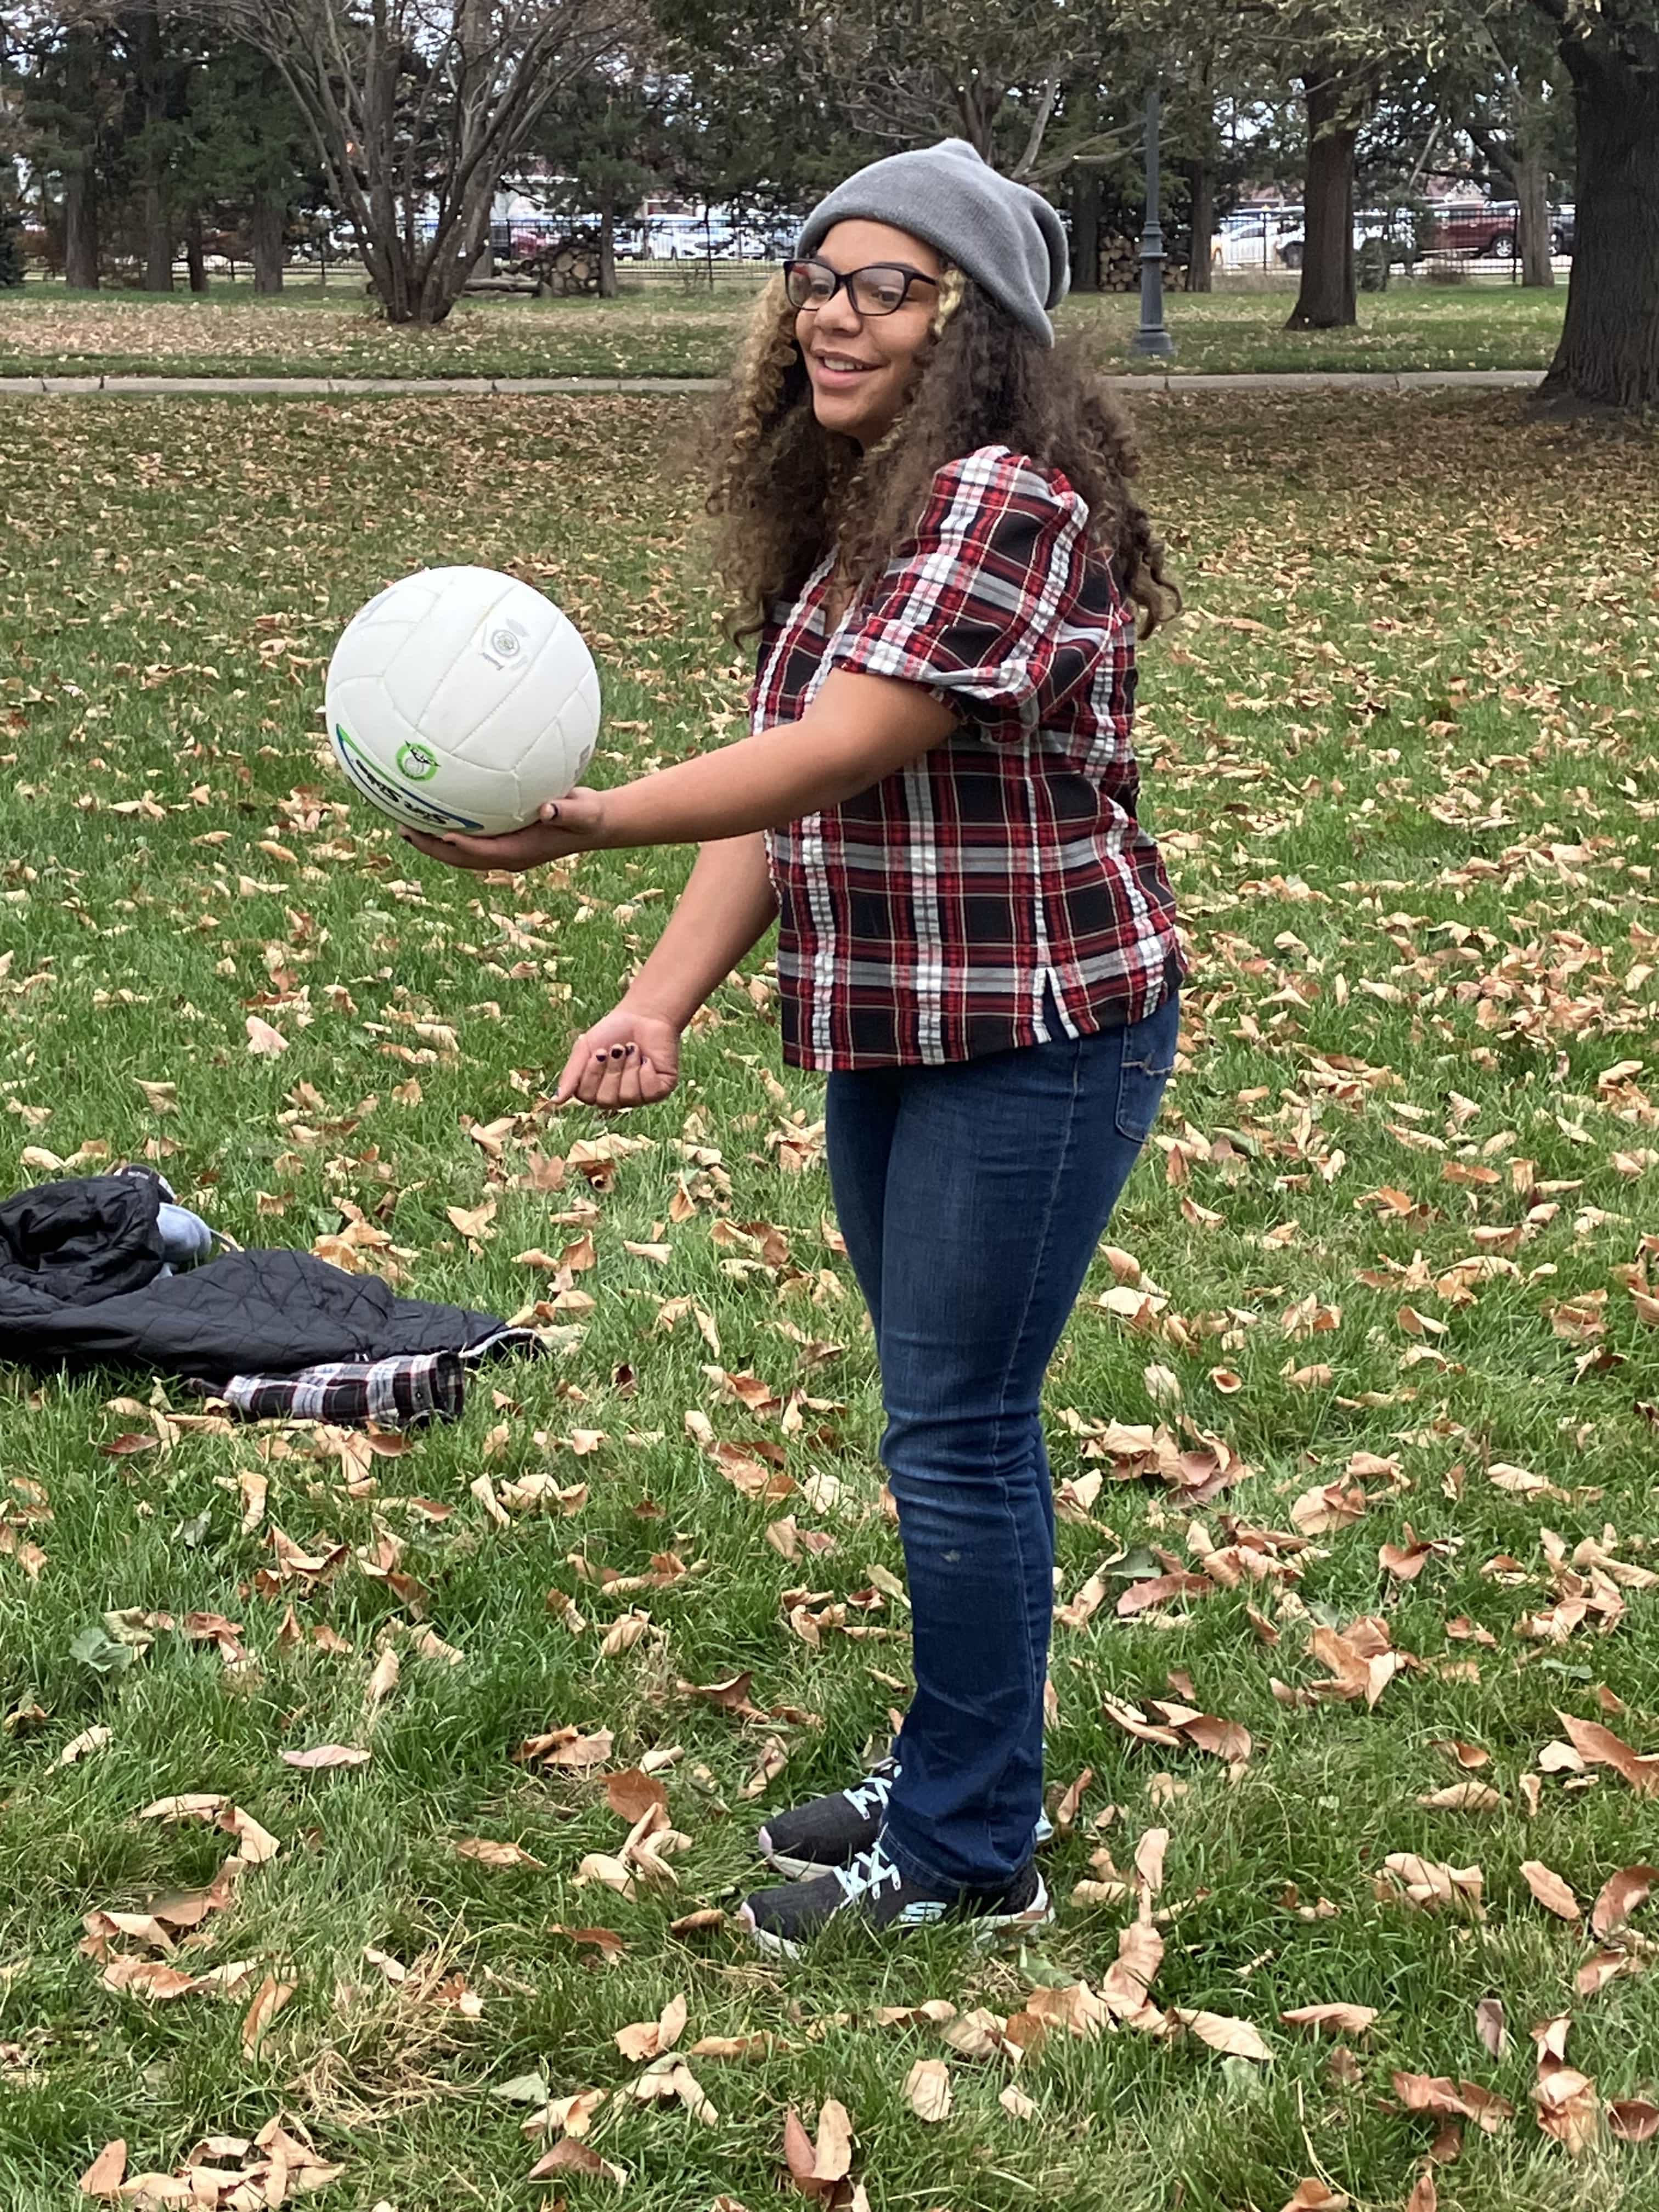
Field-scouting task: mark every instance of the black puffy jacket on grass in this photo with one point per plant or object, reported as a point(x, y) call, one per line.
point(81, 1284)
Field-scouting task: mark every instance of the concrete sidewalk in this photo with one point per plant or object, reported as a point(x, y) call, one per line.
point(1174, 382)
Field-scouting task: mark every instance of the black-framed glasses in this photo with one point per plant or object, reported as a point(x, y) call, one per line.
point(882, 288)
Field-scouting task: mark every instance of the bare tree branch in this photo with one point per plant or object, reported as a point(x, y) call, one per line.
point(1027, 160)
point(419, 108)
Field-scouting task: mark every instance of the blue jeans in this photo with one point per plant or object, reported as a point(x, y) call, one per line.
point(972, 1197)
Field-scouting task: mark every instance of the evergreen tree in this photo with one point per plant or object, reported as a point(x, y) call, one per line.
point(11, 251)
point(249, 161)
point(69, 112)
point(600, 148)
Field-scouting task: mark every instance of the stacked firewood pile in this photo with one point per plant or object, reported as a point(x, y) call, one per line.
point(1120, 264)
point(565, 268)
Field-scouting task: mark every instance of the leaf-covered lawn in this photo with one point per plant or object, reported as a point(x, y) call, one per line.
point(673, 327)
point(373, 1814)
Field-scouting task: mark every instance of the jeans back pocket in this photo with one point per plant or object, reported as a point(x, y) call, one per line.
point(1145, 1068)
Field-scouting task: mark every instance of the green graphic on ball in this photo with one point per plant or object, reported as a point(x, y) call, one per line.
point(415, 763)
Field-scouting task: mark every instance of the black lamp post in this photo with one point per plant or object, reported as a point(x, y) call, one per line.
point(1152, 338)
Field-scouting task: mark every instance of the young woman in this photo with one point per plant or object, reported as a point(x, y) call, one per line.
point(927, 510)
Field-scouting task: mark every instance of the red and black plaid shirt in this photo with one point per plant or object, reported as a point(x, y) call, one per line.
point(1002, 875)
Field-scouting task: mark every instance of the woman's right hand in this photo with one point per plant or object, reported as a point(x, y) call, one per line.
point(629, 1059)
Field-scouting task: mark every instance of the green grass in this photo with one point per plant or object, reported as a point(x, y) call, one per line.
point(1402, 751)
point(674, 327)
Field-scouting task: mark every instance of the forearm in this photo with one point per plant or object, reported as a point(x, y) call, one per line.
point(758, 783)
point(725, 909)
point(858, 730)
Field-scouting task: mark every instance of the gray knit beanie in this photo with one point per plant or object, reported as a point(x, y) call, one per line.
point(1004, 235)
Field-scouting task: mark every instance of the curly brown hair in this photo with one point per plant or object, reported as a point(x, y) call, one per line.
point(785, 491)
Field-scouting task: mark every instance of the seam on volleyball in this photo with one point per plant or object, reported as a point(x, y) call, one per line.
point(419, 715)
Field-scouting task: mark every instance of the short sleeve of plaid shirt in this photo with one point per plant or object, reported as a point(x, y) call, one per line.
point(999, 888)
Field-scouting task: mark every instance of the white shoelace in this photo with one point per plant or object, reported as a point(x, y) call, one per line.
point(870, 1872)
point(870, 1796)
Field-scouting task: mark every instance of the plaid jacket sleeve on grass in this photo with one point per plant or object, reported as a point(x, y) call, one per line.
point(999, 891)
point(402, 1391)
point(398, 1393)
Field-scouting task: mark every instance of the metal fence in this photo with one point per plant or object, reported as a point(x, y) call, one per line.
point(1451, 242)
point(649, 240)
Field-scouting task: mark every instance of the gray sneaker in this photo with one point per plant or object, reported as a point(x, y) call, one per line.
point(873, 1889)
point(834, 1830)
point(829, 1832)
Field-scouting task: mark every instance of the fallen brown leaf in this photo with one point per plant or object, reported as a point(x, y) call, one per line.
point(1234, 2039)
point(651, 2038)
point(775, 1757)
point(1463, 1797)
point(632, 1793)
point(1552, 1893)
point(1602, 1747)
point(254, 1844)
point(81, 1746)
point(1312, 2196)
point(979, 2035)
point(147, 1977)
point(1489, 2026)
point(1336, 2019)
point(699, 1923)
point(323, 1756)
point(569, 2155)
point(268, 2001)
point(1470, 1756)
point(567, 1748)
point(1430, 1884)
point(927, 2089)
point(263, 1042)
point(489, 1852)
point(1568, 2107)
point(1620, 1895)
point(817, 2168)
point(104, 2177)
point(832, 2157)
point(1436, 2094)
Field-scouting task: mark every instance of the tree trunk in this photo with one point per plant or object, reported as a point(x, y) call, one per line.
point(195, 257)
point(1327, 299)
point(1086, 230)
point(80, 231)
point(978, 106)
point(1609, 350)
point(267, 219)
point(607, 245)
point(150, 66)
point(1202, 175)
point(158, 239)
point(1532, 219)
point(80, 174)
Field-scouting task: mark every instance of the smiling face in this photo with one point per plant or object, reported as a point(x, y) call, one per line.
point(861, 365)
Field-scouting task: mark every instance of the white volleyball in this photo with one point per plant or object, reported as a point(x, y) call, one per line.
point(462, 699)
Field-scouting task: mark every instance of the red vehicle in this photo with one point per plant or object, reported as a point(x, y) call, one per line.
point(1486, 232)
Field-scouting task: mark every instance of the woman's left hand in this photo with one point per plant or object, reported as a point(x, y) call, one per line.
point(575, 824)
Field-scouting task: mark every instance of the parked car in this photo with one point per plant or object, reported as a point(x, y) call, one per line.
point(1395, 224)
point(1485, 231)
